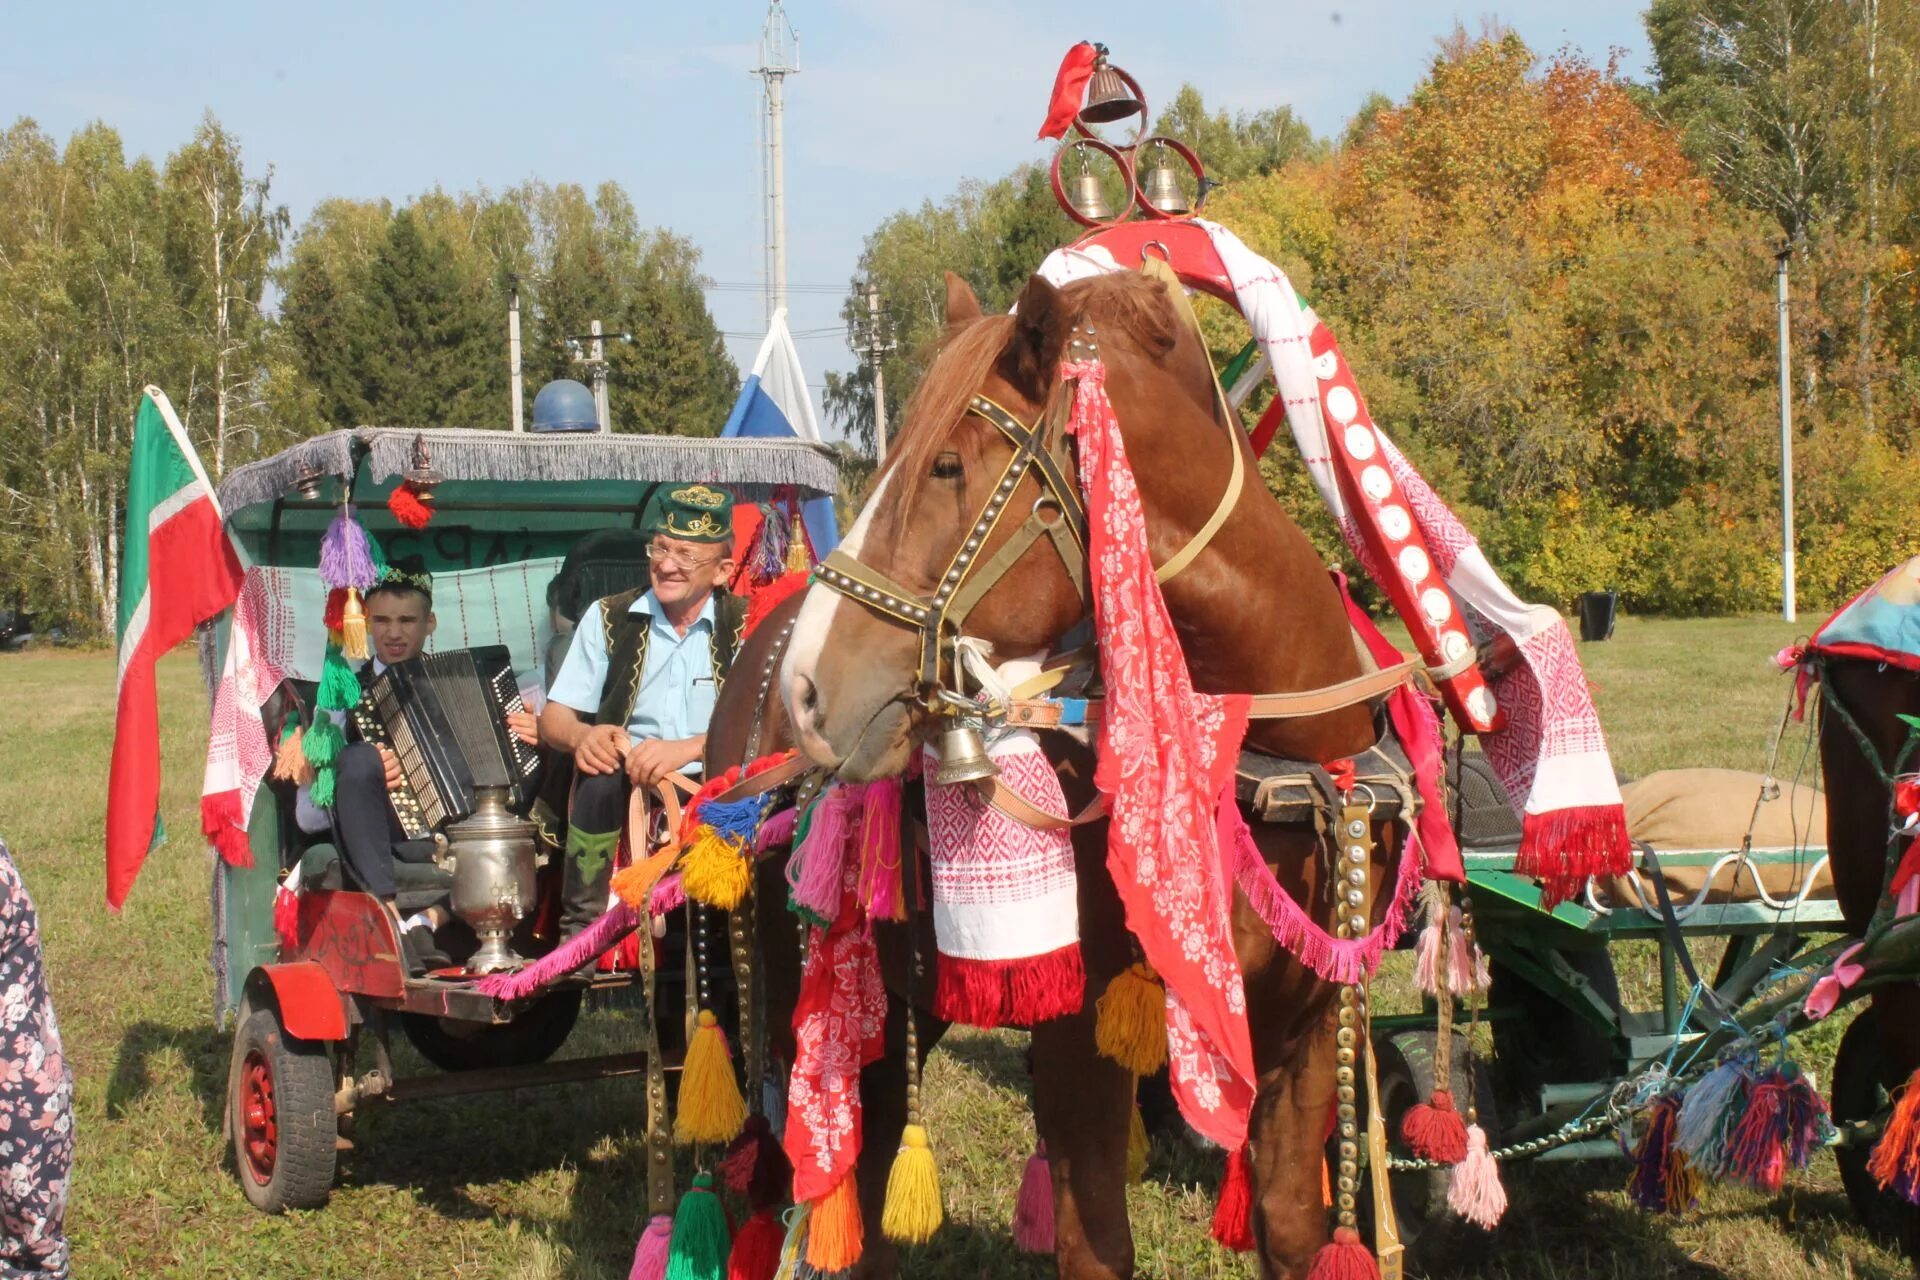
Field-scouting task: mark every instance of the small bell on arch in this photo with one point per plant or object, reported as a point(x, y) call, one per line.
point(411, 501)
point(963, 756)
point(1160, 186)
point(1110, 94)
point(1087, 196)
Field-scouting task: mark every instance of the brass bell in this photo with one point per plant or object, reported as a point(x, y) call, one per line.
point(306, 481)
point(1108, 96)
point(963, 756)
point(1162, 189)
point(1088, 197)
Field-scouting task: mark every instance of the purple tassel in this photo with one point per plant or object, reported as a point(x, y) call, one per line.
point(587, 945)
point(346, 558)
point(770, 548)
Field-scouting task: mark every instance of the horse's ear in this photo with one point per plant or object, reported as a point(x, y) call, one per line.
point(1041, 326)
point(963, 305)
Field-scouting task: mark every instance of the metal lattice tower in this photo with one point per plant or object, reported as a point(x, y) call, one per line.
point(779, 58)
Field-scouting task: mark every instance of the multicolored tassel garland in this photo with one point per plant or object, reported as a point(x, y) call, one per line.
point(701, 1236)
point(756, 1250)
point(1233, 1208)
point(1345, 1257)
point(717, 867)
point(1131, 1027)
point(1783, 1124)
point(1434, 1130)
point(650, 1254)
point(835, 1236)
point(1033, 1205)
point(711, 1108)
point(1895, 1162)
point(1709, 1113)
point(1473, 1188)
point(1663, 1179)
point(912, 1211)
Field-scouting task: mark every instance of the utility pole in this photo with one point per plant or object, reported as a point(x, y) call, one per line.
point(779, 58)
point(1787, 609)
point(874, 339)
point(513, 352)
point(590, 349)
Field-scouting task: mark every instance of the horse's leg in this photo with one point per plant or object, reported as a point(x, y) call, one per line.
point(1289, 1133)
point(1081, 1105)
point(1082, 1101)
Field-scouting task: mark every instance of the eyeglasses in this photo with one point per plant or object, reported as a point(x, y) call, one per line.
point(679, 559)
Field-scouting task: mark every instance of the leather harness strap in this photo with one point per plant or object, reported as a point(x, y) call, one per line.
point(1314, 702)
point(766, 780)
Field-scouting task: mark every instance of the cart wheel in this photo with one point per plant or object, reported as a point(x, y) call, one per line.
point(535, 1035)
point(1861, 1080)
point(1404, 1064)
point(280, 1113)
point(1547, 1043)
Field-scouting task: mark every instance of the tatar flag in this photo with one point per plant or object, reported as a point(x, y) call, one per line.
point(178, 570)
point(774, 404)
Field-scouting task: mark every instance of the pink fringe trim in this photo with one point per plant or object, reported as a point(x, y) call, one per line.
point(777, 830)
point(1561, 848)
point(589, 944)
point(1343, 960)
point(1018, 992)
point(669, 894)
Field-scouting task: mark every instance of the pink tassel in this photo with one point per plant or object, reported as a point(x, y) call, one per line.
point(1345, 1257)
point(589, 944)
point(777, 830)
point(880, 850)
point(1033, 1207)
point(815, 870)
point(1426, 958)
point(1473, 1189)
point(650, 1255)
point(1467, 967)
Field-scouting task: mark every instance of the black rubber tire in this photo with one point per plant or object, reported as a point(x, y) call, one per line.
point(1404, 1066)
point(285, 1148)
point(534, 1036)
point(1549, 1043)
point(1862, 1079)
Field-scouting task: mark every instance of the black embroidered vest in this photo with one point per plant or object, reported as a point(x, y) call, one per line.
point(626, 636)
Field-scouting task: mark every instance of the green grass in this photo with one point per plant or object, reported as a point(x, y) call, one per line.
point(547, 1183)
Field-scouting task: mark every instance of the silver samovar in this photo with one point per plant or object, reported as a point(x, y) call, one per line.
point(492, 853)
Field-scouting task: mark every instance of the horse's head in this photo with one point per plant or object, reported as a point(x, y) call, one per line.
point(975, 527)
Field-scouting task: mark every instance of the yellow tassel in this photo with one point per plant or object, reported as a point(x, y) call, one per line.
point(834, 1233)
point(353, 628)
point(715, 871)
point(912, 1212)
point(290, 762)
point(1132, 1025)
point(1137, 1147)
point(634, 883)
point(711, 1108)
point(798, 561)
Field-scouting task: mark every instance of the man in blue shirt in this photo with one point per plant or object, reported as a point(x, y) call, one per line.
point(632, 700)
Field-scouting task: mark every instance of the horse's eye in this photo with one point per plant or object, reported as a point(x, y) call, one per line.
point(947, 467)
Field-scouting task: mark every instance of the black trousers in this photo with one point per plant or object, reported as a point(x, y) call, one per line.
point(369, 834)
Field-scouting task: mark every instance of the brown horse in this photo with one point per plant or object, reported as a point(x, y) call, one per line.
point(1873, 697)
point(1255, 612)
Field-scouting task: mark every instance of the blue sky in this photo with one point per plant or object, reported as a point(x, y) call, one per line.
point(895, 103)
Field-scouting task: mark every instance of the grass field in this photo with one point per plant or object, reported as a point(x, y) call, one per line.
point(547, 1183)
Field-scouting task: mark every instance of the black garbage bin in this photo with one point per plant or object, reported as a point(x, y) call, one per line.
point(1597, 610)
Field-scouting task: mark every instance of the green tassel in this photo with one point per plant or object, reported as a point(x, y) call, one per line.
point(322, 744)
point(321, 792)
point(339, 687)
point(290, 725)
point(700, 1237)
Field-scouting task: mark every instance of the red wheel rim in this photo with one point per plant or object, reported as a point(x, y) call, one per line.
point(259, 1120)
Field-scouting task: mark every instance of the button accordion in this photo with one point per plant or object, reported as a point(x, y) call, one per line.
point(444, 717)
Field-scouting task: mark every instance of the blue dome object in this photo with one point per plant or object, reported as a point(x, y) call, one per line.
point(564, 405)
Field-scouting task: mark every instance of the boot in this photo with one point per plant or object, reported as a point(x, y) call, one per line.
point(586, 880)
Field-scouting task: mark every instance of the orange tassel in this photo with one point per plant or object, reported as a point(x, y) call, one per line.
point(834, 1233)
point(634, 884)
point(1895, 1161)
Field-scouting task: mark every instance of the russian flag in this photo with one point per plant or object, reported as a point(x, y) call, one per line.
point(774, 402)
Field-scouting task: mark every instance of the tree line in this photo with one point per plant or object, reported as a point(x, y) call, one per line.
point(1556, 287)
point(118, 271)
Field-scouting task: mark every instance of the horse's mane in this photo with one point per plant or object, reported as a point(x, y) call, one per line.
point(1136, 303)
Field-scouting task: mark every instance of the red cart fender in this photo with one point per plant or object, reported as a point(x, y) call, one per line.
point(310, 1006)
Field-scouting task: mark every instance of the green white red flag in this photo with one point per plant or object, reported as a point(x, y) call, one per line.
point(178, 570)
